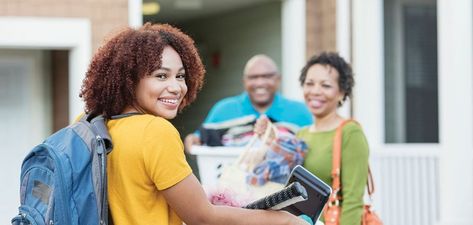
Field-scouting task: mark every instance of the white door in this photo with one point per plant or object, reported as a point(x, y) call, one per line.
point(25, 118)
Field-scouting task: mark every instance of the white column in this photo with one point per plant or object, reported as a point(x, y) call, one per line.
point(455, 110)
point(368, 65)
point(343, 29)
point(293, 46)
point(344, 42)
point(79, 58)
point(135, 15)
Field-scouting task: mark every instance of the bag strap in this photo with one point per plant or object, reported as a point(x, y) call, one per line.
point(336, 161)
point(336, 168)
point(370, 183)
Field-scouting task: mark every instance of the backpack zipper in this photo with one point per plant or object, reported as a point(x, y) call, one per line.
point(61, 182)
point(101, 153)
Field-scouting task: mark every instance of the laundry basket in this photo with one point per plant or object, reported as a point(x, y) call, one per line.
point(210, 161)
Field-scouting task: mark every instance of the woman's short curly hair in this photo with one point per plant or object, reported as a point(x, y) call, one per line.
point(117, 67)
point(334, 60)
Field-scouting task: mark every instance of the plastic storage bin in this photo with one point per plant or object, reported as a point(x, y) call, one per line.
point(210, 161)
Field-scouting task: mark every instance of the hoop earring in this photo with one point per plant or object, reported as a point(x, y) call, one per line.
point(340, 101)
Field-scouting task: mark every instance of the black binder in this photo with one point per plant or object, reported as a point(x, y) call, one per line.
point(317, 190)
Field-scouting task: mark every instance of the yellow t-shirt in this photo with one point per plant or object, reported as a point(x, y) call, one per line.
point(147, 157)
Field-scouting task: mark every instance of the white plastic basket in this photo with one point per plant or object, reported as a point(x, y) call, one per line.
point(210, 161)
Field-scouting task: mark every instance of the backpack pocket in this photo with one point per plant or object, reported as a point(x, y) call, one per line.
point(36, 195)
point(29, 216)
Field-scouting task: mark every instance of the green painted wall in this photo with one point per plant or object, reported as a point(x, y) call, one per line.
point(235, 36)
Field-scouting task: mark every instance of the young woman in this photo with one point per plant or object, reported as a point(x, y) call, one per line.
point(139, 80)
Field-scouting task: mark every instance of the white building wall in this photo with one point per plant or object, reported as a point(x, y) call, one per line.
point(455, 28)
point(446, 196)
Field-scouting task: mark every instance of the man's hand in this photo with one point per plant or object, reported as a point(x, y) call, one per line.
point(260, 127)
point(190, 140)
point(261, 124)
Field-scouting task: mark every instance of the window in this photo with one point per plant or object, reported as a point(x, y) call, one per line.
point(411, 87)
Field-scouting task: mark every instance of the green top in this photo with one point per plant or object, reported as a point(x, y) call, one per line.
point(354, 166)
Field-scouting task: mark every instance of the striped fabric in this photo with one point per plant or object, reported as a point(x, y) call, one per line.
point(284, 154)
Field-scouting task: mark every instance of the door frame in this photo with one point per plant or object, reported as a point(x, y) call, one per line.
point(73, 34)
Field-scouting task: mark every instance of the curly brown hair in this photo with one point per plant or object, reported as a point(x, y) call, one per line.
point(117, 67)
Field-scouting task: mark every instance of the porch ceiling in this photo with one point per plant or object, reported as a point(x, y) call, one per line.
point(177, 11)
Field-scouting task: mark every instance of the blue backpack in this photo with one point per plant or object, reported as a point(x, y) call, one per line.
point(63, 180)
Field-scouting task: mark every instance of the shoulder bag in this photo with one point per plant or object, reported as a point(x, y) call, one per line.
point(333, 209)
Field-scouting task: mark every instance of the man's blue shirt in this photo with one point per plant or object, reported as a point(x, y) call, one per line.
point(281, 110)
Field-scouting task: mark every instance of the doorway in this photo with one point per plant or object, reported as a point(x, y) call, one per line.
point(25, 112)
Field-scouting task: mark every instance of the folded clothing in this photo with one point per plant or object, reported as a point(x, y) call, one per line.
point(283, 155)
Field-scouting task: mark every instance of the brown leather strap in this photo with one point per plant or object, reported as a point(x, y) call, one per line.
point(336, 161)
point(370, 183)
point(337, 155)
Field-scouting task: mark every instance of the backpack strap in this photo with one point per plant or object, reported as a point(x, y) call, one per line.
point(119, 116)
point(99, 124)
